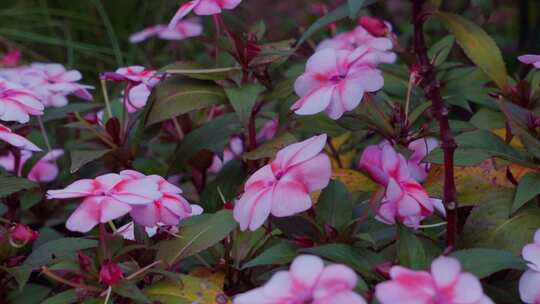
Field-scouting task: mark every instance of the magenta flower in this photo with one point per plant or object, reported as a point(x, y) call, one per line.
point(46, 170)
point(182, 30)
point(446, 283)
point(530, 281)
point(421, 148)
point(203, 8)
point(106, 198)
point(405, 200)
point(16, 140)
point(18, 103)
point(110, 273)
point(282, 187)
point(11, 58)
point(335, 81)
point(307, 281)
point(530, 59)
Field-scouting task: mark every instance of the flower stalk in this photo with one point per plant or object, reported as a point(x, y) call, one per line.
point(431, 87)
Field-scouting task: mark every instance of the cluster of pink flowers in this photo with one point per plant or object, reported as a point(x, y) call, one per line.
point(446, 283)
point(140, 82)
point(405, 199)
point(343, 69)
point(50, 83)
point(149, 200)
point(182, 30)
point(307, 281)
point(529, 284)
point(16, 140)
point(18, 103)
point(282, 187)
point(44, 170)
point(203, 8)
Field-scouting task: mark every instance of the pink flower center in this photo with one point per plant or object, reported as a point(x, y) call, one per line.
point(337, 78)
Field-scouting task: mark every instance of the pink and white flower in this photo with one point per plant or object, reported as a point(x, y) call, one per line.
point(106, 198)
point(282, 187)
point(7, 161)
point(307, 281)
point(421, 148)
point(269, 130)
point(183, 30)
point(529, 284)
point(445, 283)
point(530, 59)
point(234, 150)
point(203, 8)
point(16, 140)
point(335, 81)
point(18, 103)
point(46, 170)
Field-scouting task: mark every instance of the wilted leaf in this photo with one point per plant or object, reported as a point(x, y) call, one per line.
point(191, 290)
point(478, 46)
point(354, 180)
point(484, 262)
point(197, 237)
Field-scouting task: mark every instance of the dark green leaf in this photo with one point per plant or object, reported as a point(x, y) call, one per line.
point(129, 290)
point(487, 119)
point(439, 52)
point(243, 99)
point(197, 237)
point(485, 262)
point(270, 148)
point(10, 185)
point(411, 251)
point(66, 297)
point(279, 254)
point(334, 206)
point(79, 158)
point(528, 188)
point(228, 180)
point(31, 294)
point(354, 7)
point(58, 249)
point(20, 273)
point(61, 112)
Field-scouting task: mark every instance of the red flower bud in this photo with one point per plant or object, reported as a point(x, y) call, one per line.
point(303, 241)
point(374, 26)
point(22, 234)
point(228, 206)
point(110, 273)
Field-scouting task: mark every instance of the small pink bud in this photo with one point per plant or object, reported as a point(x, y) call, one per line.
point(228, 206)
point(374, 26)
point(22, 234)
point(11, 58)
point(110, 273)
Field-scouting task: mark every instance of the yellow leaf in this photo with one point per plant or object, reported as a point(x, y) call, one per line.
point(218, 278)
point(516, 142)
point(354, 180)
point(346, 156)
point(192, 290)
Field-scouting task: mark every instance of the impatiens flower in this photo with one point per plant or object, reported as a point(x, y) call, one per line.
point(530, 59)
point(529, 284)
point(203, 8)
point(307, 281)
point(135, 74)
point(182, 30)
point(282, 187)
point(421, 148)
point(405, 200)
point(18, 103)
point(138, 97)
point(8, 160)
point(107, 197)
point(360, 37)
point(167, 209)
point(16, 140)
point(46, 170)
point(234, 150)
point(335, 81)
point(446, 283)
point(110, 273)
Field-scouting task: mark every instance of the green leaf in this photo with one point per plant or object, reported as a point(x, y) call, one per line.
point(439, 52)
point(66, 297)
point(129, 290)
point(478, 46)
point(227, 181)
point(270, 148)
point(528, 188)
point(176, 96)
point(487, 119)
point(57, 250)
point(213, 136)
point(485, 262)
point(10, 185)
point(191, 290)
point(61, 112)
point(31, 294)
point(197, 237)
point(411, 251)
point(334, 206)
point(518, 117)
point(243, 99)
point(354, 7)
point(279, 254)
point(198, 71)
point(79, 158)
point(21, 274)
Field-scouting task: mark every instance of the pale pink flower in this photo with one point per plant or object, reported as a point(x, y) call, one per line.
point(530, 59)
point(138, 97)
point(134, 74)
point(107, 197)
point(269, 130)
point(46, 170)
point(405, 200)
point(446, 283)
point(182, 30)
point(167, 209)
point(7, 161)
point(282, 187)
point(16, 140)
point(232, 151)
point(360, 37)
point(335, 81)
point(529, 284)
point(18, 103)
point(307, 281)
point(203, 8)
point(421, 148)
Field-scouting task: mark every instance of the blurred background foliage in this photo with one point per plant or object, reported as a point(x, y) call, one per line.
point(92, 35)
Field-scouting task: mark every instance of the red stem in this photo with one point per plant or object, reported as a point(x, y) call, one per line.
point(103, 241)
point(432, 90)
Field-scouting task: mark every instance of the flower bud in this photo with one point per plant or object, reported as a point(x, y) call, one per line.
point(110, 273)
point(22, 234)
point(374, 26)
